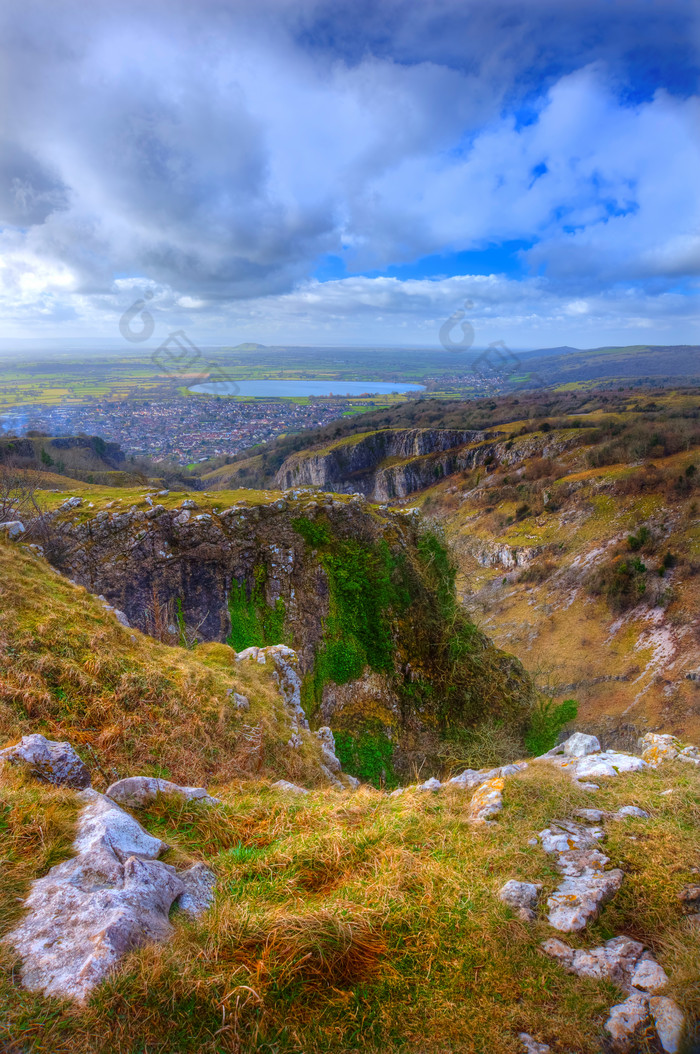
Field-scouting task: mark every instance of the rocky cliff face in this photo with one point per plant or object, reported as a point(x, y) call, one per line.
point(365, 597)
point(394, 463)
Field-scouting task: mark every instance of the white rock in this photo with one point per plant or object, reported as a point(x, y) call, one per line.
point(659, 748)
point(590, 815)
point(522, 896)
point(48, 760)
point(430, 785)
point(621, 960)
point(12, 528)
point(137, 791)
point(649, 976)
point(669, 1022)
point(579, 744)
point(626, 1021)
point(87, 912)
point(104, 826)
point(630, 810)
point(288, 788)
point(198, 894)
point(531, 1045)
point(487, 801)
point(585, 886)
point(327, 740)
point(595, 766)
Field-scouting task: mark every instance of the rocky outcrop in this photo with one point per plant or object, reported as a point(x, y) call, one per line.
point(114, 895)
point(49, 761)
point(581, 757)
point(393, 463)
point(627, 964)
point(138, 791)
point(359, 464)
point(586, 885)
point(259, 574)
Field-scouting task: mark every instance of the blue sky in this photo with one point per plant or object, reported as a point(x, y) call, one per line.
point(325, 172)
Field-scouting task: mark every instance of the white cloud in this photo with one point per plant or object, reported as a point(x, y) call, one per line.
point(213, 155)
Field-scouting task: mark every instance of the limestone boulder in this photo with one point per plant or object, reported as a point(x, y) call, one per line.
point(487, 801)
point(87, 912)
point(138, 791)
point(48, 760)
point(522, 897)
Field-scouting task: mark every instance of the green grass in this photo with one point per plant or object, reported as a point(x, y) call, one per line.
point(366, 923)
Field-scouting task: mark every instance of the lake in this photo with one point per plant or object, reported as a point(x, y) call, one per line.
point(288, 389)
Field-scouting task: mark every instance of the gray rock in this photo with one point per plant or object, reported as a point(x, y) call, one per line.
point(327, 740)
point(189, 503)
point(288, 788)
point(630, 810)
point(669, 1022)
point(242, 702)
point(621, 960)
point(430, 785)
point(87, 912)
point(531, 1045)
point(522, 896)
point(138, 791)
point(12, 528)
point(198, 895)
point(579, 745)
point(49, 761)
point(586, 886)
point(626, 1021)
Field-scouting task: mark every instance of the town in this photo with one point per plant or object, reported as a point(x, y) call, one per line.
point(180, 429)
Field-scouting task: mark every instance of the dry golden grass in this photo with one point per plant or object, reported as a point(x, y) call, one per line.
point(130, 705)
point(369, 923)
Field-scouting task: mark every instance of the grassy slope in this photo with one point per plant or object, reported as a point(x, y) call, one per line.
point(547, 615)
point(68, 669)
point(364, 923)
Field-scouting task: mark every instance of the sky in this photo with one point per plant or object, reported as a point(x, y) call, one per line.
point(328, 172)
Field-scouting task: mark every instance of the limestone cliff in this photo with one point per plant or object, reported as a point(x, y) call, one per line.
point(364, 595)
point(393, 463)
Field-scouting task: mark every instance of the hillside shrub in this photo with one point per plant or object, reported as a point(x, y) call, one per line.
point(546, 722)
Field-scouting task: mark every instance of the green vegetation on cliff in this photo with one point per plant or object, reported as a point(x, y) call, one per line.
point(253, 621)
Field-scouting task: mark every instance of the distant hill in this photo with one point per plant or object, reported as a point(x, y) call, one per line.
point(249, 347)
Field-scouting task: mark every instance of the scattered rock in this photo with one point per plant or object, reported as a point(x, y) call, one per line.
point(472, 778)
point(586, 885)
point(241, 702)
point(430, 785)
point(49, 761)
point(532, 1046)
point(630, 810)
point(190, 503)
point(288, 788)
point(12, 528)
point(138, 791)
point(327, 740)
point(72, 503)
point(690, 896)
point(669, 1022)
point(487, 801)
point(87, 912)
point(621, 960)
point(198, 895)
point(522, 896)
point(627, 1021)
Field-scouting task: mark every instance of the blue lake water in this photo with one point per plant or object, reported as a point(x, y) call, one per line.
point(287, 389)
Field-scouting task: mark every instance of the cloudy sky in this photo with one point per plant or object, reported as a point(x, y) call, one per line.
point(334, 172)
